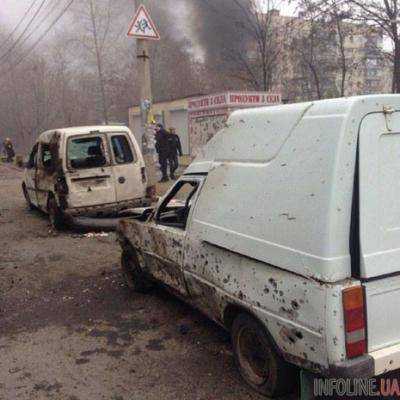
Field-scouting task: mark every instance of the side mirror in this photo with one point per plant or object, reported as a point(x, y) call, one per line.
point(139, 213)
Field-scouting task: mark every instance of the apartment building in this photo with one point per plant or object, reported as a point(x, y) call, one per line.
point(308, 61)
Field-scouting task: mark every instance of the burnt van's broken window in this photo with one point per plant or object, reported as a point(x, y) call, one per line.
point(121, 149)
point(32, 161)
point(176, 207)
point(47, 159)
point(87, 152)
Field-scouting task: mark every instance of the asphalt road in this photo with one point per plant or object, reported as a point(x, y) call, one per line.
point(70, 329)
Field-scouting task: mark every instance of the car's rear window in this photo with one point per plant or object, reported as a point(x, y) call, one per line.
point(122, 149)
point(86, 152)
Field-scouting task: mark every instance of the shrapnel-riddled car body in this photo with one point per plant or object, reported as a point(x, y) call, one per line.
point(90, 171)
point(287, 233)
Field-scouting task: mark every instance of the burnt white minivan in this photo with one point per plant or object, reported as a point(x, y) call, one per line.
point(85, 171)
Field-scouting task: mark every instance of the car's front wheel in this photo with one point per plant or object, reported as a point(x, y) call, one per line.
point(258, 363)
point(132, 263)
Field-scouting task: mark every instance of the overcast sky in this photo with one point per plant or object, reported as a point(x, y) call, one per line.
point(12, 10)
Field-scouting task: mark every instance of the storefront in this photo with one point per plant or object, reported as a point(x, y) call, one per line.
point(198, 119)
point(208, 114)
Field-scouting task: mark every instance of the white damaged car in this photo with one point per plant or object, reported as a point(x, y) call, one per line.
point(85, 171)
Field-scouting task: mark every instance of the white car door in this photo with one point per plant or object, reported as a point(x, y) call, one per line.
point(165, 235)
point(128, 166)
point(379, 186)
point(89, 173)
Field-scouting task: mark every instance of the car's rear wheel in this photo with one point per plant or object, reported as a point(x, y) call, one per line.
point(259, 364)
point(56, 216)
point(27, 198)
point(132, 263)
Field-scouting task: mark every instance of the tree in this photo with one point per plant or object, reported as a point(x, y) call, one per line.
point(95, 19)
point(84, 72)
point(383, 15)
point(337, 18)
point(314, 49)
point(263, 30)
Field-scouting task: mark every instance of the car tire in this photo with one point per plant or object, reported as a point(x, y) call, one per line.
point(56, 216)
point(135, 279)
point(260, 366)
point(27, 198)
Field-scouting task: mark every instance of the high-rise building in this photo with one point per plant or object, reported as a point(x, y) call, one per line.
point(309, 58)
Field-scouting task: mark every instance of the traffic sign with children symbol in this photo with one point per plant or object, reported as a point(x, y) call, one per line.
point(142, 26)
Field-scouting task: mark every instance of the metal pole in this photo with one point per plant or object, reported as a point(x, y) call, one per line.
point(145, 82)
point(147, 134)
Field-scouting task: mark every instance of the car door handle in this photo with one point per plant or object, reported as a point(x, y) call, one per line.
point(121, 179)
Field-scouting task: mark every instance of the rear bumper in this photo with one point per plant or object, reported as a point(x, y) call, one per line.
point(386, 359)
point(373, 364)
point(360, 367)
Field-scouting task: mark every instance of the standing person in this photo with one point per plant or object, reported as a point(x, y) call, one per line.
point(9, 150)
point(163, 150)
point(175, 149)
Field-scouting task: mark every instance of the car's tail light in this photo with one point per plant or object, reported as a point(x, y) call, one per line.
point(143, 171)
point(354, 321)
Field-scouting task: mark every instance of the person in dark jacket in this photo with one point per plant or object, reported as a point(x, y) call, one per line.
point(175, 149)
point(9, 150)
point(163, 150)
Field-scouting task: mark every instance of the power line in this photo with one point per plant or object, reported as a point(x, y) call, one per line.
point(42, 36)
point(42, 21)
point(8, 52)
point(18, 25)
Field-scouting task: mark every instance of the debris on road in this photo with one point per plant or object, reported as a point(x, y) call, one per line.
point(91, 235)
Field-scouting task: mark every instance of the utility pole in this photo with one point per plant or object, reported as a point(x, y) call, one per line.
point(146, 98)
point(143, 28)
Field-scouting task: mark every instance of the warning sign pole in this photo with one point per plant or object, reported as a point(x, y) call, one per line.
point(146, 100)
point(144, 69)
point(143, 29)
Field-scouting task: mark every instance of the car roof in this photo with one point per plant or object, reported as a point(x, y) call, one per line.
point(81, 130)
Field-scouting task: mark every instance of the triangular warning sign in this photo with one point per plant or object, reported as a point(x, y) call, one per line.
point(142, 26)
